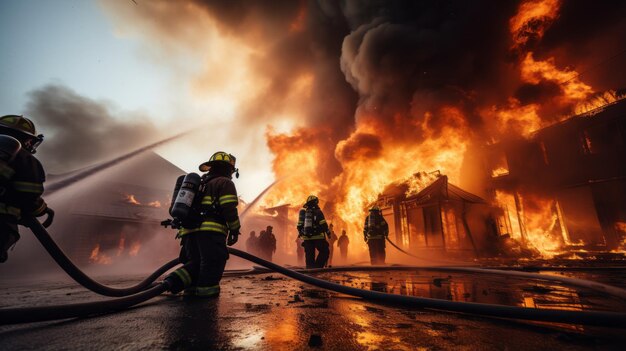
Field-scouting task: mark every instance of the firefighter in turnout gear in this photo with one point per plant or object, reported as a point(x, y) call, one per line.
point(212, 224)
point(375, 232)
point(21, 179)
point(313, 229)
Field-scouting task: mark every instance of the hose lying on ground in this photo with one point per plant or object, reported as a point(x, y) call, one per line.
point(607, 319)
point(608, 289)
point(49, 313)
point(70, 268)
point(598, 318)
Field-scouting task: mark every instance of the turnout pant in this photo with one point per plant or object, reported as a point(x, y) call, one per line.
point(377, 251)
point(205, 255)
point(321, 245)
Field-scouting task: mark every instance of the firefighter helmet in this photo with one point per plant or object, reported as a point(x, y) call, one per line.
point(312, 200)
point(375, 208)
point(219, 156)
point(23, 129)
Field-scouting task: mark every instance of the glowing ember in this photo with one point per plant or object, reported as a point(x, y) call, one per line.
point(155, 204)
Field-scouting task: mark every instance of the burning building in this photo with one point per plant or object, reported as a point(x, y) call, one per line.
point(119, 212)
point(438, 218)
point(564, 186)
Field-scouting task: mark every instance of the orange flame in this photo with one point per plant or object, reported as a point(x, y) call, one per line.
point(155, 204)
point(130, 199)
point(532, 20)
point(98, 257)
point(134, 248)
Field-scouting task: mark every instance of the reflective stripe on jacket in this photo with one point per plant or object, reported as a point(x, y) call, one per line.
point(220, 216)
point(320, 227)
point(375, 227)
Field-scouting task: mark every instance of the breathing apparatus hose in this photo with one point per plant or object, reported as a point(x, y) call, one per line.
point(75, 273)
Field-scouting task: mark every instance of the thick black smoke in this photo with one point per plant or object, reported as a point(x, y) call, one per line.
point(79, 131)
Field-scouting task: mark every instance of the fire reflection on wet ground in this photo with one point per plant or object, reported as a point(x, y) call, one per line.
point(271, 312)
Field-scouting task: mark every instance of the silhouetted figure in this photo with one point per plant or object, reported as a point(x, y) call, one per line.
point(252, 244)
point(343, 243)
point(375, 232)
point(332, 239)
point(267, 243)
point(300, 251)
point(312, 228)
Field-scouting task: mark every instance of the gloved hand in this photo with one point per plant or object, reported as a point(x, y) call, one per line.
point(233, 236)
point(50, 217)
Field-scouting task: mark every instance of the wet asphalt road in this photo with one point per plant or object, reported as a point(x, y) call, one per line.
point(269, 312)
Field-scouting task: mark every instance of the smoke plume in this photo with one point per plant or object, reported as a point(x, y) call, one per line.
point(374, 91)
point(79, 131)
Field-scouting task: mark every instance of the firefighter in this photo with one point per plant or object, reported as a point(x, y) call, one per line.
point(375, 232)
point(216, 225)
point(312, 228)
point(267, 243)
point(252, 244)
point(332, 239)
point(21, 179)
point(343, 243)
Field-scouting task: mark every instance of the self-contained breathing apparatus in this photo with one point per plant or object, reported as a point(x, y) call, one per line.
point(310, 222)
point(185, 207)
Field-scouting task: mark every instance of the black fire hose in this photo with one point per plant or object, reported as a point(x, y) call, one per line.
point(70, 268)
point(48, 313)
point(605, 319)
point(598, 318)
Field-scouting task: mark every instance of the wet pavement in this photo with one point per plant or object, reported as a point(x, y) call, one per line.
point(271, 312)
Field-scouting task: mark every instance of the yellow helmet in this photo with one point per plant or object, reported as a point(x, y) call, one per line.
point(219, 156)
point(312, 199)
point(23, 129)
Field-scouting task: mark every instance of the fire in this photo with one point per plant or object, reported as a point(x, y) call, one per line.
point(598, 101)
point(121, 246)
point(155, 204)
point(98, 257)
point(500, 171)
point(134, 248)
point(574, 89)
point(419, 181)
point(514, 118)
point(532, 20)
point(296, 163)
point(366, 176)
point(130, 199)
point(534, 222)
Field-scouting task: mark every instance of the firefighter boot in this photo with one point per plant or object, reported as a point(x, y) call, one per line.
point(7, 242)
point(178, 280)
point(208, 291)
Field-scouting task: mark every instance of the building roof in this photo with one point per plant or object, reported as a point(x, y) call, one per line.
point(441, 189)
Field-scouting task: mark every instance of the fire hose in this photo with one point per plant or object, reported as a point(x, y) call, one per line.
point(605, 288)
point(598, 318)
point(75, 273)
